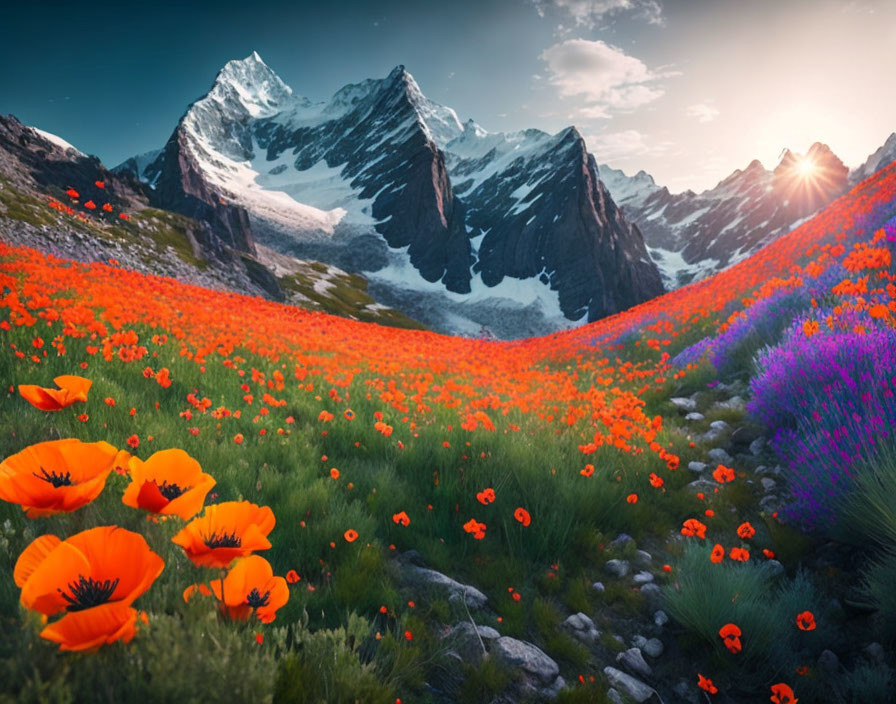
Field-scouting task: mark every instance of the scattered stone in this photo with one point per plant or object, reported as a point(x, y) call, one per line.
point(660, 618)
point(828, 662)
point(615, 696)
point(757, 446)
point(776, 569)
point(720, 456)
point(634, 662)
point(697, 466)
point(468, 640)
point(653, 647)
point(519, 655)
point(599, 587)
point(707, 486)
point(652, 592)
point(643, 557)
point(618, 568)
point(632, 688)
point(875, 653)
point(582, 627)
point(621, 540)
point(694, 416)
point(719, 426)
point(429, 580)
point(768, 484)
point(684, 404)
point(643, 577)
point(735, 403)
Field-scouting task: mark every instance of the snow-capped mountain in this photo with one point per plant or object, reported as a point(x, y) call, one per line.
point(460, 227)
point(878, 160)
point(692, 235)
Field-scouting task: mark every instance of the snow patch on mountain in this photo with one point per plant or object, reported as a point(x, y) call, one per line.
point(57, 140)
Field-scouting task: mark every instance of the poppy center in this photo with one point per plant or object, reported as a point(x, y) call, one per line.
point(223, 540)
point(254, 599)
point(88, 592)
point(171, 491)
point(57, 479)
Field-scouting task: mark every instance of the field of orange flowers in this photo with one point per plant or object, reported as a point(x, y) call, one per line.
point(196, 477)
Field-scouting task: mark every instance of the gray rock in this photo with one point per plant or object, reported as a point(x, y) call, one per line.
point(471, 642)
point(828, 662)
point(719, 426)
point(694, 416)
point(553, 690)
point(652, 593)
point(618, 568)
point(660, 618)
point(775, 568)
point(643, 557)
point(720, 456)
point(519, 655)
point(875, 653)
point(735, 403)
point(621, 540)
point(639, 641)
point(707, 486)
point(582, 628)
point(634, 662)
point(757, 446)
point(684, 404)
point(698, 467)
point(632, 688)
point(427, 579)
point(643, 577)
point(615, 696)
point(599, 587)
point(768, 484)
point(653, 647)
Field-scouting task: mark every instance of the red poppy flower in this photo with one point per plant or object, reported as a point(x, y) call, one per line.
point(706, 684)
point(718, 554)
point(486, 496)
point(401, 519)
point(745, 531)
point(225, 532)
point(587, 471)
point(292, 577)
point(351, 535)
point(805, 621)
point(58, 476)
point(170, 482)
point(723, 474)
point(782, 694)
point(739, 554)
point(72, 389)
point(656, 481)
point(522, 515)
point(249, 586)
point(631, 498)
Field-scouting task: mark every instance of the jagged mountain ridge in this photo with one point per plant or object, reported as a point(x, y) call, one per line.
point(692, 235)
point(382, 180)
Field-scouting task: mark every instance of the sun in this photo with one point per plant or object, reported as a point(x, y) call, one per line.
point(805, 168)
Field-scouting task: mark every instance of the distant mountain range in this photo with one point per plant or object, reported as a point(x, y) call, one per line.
point(465, 230)
point(459, 227)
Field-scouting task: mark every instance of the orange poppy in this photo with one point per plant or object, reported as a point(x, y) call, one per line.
point(486, 496)
point(693, 527)
point(632, 498)
point(225, 532)
point(170, 482)
point(476, 528)
point(783, 694)
point(292, 577)
point(587, 471)
point(739, 555)
point(94, 576)
point(522, 515)
point(92, 628)
point(730, 635)
point(723, 474)
point(72, 389)
point(745, 531)
point(57, 476)
point(401, 519)
point(251, 585)
point(655, 480)
point(806, 621)
point(706, 684)
point(718, 554)
point(351, 535)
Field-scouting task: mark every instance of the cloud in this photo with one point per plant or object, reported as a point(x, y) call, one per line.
point(603, 75)
point(591, 13)
point(704, 112)
point(616, 146)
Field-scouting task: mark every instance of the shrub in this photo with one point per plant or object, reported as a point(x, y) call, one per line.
point(827, 400)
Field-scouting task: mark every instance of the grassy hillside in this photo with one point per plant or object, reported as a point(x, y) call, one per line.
point(532, 471)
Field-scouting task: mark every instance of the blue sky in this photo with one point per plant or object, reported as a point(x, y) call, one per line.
point(688, 90)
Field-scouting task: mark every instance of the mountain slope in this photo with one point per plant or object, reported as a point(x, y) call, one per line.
point(382, 180)
point(691, 235)
point(884, 156)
